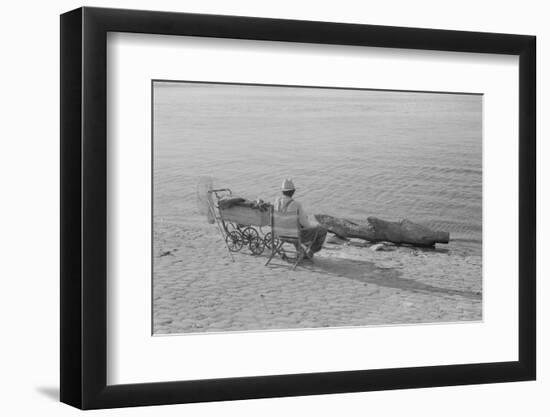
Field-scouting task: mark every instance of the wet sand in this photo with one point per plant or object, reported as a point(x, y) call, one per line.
point(197, 287)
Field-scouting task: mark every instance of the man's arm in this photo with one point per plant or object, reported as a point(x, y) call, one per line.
point(302, 216)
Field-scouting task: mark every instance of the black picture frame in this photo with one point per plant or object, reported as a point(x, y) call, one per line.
point(84, 207)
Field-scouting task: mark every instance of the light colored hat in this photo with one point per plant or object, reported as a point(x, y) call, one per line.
point(287, 185)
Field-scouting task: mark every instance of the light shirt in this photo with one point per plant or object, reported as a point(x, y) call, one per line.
point(286, 204)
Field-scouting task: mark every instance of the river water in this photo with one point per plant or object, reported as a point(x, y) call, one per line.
point(351, 153)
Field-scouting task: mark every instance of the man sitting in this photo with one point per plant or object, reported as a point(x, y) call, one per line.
point(309, 232)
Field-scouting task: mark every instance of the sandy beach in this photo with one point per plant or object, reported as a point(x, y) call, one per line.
point(346, 285)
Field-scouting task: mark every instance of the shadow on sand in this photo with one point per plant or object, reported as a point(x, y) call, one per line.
point(368, 272)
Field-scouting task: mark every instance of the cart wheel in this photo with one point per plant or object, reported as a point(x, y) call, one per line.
point(256, 246)
point(234, 241)
point(267, 240)
point(249, 234)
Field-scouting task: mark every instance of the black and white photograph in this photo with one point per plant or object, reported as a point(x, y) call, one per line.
point(278, 207)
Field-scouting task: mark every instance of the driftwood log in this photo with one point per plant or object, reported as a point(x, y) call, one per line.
point(377, 230)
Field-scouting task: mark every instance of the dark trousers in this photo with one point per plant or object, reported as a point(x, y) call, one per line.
point(316, 234)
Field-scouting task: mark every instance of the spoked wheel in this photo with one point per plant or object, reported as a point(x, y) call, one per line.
point(234, 241)
point(256, 246)
point(267, 240)
point(249, 234)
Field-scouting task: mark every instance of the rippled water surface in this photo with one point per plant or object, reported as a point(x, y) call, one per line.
point(351, 153)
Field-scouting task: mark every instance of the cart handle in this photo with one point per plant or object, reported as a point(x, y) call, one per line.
point(218, 191)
